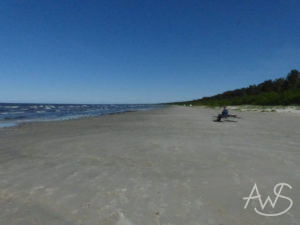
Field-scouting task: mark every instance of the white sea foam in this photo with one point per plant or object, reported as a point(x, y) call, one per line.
point(11, 106)
point(49, 107)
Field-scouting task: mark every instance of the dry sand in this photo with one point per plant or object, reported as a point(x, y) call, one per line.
point(161, 167)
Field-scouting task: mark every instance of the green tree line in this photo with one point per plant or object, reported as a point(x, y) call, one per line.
point(281, 91)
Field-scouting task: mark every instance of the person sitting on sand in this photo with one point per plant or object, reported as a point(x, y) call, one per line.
point(224, 114)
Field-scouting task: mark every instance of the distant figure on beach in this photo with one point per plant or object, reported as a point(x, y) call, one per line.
point(224, 114)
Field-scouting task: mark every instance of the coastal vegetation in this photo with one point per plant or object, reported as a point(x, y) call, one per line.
point(281, 91)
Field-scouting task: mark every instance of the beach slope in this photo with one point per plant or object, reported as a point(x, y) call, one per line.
point(160, 167)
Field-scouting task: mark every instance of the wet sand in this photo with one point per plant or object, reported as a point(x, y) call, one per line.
point(171, 166)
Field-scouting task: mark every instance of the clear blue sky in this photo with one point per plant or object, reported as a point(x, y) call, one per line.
point(70, 51)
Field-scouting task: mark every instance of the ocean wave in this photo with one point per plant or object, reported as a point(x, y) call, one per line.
point(14, 117)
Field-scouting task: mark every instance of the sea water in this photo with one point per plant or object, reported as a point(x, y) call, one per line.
point(12, 114)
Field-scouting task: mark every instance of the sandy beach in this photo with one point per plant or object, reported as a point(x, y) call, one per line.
point(170, 166)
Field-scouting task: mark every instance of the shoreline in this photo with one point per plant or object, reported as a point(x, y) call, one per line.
point(241, 108)
point(19, 123)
